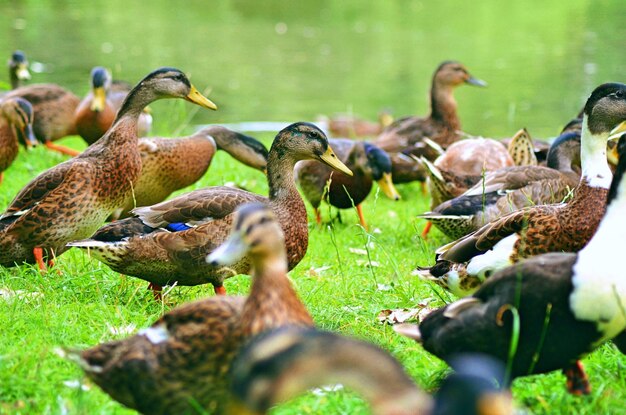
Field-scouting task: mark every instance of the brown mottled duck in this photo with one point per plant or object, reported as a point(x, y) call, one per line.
point(16, 126)
point(279, 365)
point(71, 200)
point(566, 227)
point(166, 243)
point(180, 364)
point(170, 164)
point(367, 162)
point(442, 125)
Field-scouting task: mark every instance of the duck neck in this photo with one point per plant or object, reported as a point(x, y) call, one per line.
point(15, 82)
point(595, 169)
point(272, 302)
point(280, 175)
point(443, 106)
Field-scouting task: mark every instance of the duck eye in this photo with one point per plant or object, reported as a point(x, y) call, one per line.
point(313, 134)
point(618, 94)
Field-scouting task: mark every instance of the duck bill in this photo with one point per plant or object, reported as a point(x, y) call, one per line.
point(476, 82)
point(99, 99)
point(22, 72)
point(231, 251)
point(197, 98)
point(617, 132)
point(331, 159)
point(386, 185)
point(29, 136)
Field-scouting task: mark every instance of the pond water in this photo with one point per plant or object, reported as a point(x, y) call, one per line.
point(290, 61)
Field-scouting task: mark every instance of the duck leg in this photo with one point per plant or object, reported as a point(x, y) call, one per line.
point(38, 253)
point(219, 289)
point(359, 210)
point(156, 291)
point(424, 188)
point(1, 177)
point(62, 149)
point(318, 216)
point(577, 380)
point(429, 225)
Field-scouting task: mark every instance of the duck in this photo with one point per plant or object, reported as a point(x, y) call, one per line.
point(166, 243)
point(351, 126)
point(181, 362)
point(502, 191)
point(54, 108)
point(171, 164)
point(442, 125)
point(96, 112)
point(465, 161)
point(367, 163)
point(279, 365)
point(71, 200)
point(558, 306)
point(18, 69)
point(16, 125)
point(464, 264)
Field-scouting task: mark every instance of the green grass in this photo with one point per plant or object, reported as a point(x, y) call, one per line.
point(79, 305)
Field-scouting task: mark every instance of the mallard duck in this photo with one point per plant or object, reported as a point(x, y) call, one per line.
point(442, 125)
point(566, 227)
point(171, 164)
point(367, 163)
point(16, 125)
point(180, 364)
point(279, 365)
point(18, 69)
point(54, 108)
point(71, 200)
point(167, 242)
point(96, 112)
point(351, 126)
point(500, 192)
point(558, 306)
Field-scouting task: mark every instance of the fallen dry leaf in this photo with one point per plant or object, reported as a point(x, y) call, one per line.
point(401, 315)
point(358, 251)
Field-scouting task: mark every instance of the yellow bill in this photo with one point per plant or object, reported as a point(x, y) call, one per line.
point(386, 185)
point(99, 99)
point(22, 72)
point(197, 98)
point(331, 159)
point(618, 131)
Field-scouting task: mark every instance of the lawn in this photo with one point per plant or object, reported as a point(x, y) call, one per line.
point(347, 277)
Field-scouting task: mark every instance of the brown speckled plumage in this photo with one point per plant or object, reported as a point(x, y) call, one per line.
point(506, 190)
point(164, 257)
point(71, 200)
point(182, 361)
point(16, 119)
point(54, 109)
point(170, 164)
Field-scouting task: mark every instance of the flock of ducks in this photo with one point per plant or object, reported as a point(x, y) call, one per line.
point(536, 226)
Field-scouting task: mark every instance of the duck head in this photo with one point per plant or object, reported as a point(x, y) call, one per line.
point(248, 150)
point(255, 233)
point(453, 73)
point(18, 67)
point(100, 84)
point(159, 84)
point(305, 141)
point(19, 114)
point(379, 164)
